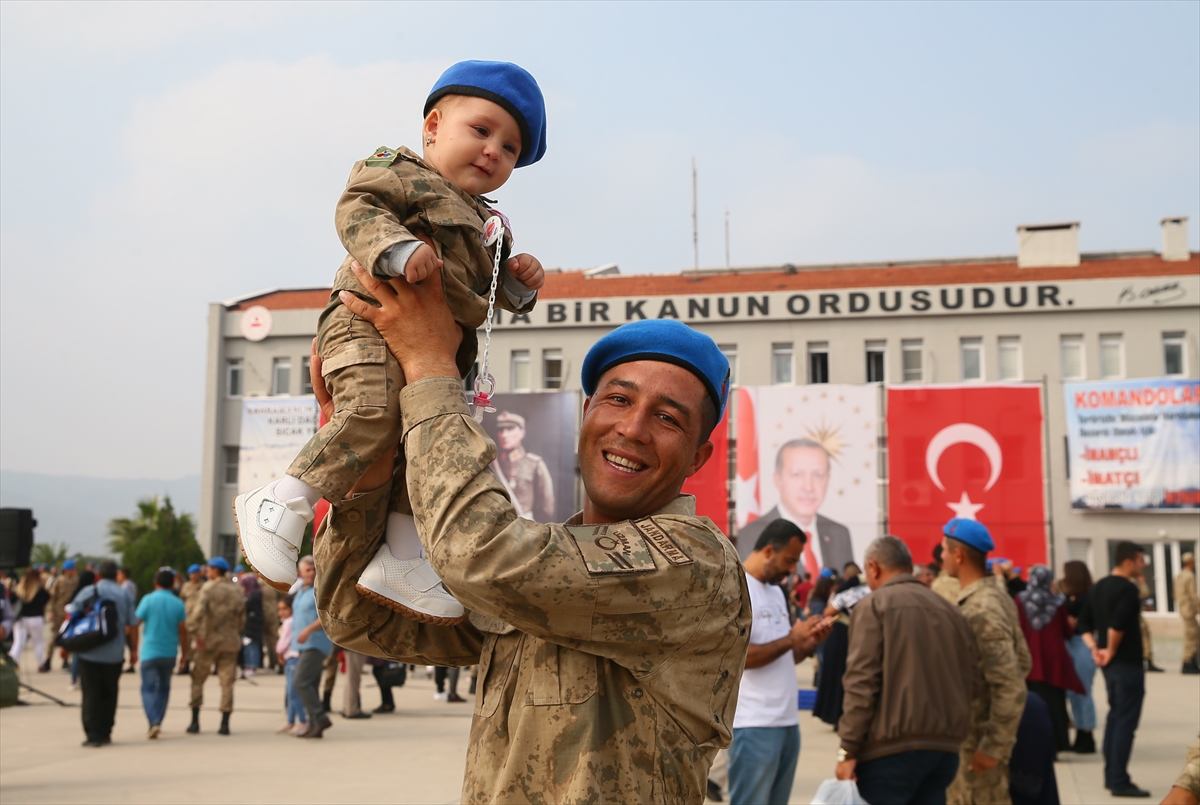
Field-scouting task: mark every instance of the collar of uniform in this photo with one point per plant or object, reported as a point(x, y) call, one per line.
point(684, 505)
point(408, 154)
point(972, 588)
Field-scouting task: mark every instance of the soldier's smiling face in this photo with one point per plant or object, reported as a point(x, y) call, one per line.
point(475, 142)
point(640, 439)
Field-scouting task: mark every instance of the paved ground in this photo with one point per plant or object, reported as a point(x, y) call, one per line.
point(412, 756)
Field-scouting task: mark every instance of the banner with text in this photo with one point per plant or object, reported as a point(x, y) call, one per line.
point(273, 431)
point(810, 454)
point(1134, 444)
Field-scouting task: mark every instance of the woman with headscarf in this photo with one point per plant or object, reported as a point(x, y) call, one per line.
point(1076, 585)
point(1044, 622)
point(252, 632)
point(30, 597)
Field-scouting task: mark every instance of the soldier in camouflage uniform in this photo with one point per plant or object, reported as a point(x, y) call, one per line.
point(1187, 603)
point(219, 616)
point(1004, 662)
point(611, 646)
point(403, 216)
point(1186, 790)
point(61, 594)
point(189, 593)
point(271, 624)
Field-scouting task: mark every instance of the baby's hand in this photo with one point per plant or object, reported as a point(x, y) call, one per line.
point(528, 270)
point(423, 262)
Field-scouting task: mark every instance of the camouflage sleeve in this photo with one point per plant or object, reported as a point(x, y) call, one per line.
point(369, 213)
point(863, 678)
point(198, 627)
point(595, 588)
point(1004, 676)
point(1189, 778)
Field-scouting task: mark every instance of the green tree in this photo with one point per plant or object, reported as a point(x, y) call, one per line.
point(156, 537)
point(46, 554)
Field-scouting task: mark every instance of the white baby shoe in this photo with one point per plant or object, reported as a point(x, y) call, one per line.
point(410, 587)
point(270, 532)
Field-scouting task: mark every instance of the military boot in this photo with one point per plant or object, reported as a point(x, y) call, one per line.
point(194, 727)
point(224, 724)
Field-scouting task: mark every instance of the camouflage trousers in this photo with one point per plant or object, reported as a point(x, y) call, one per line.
point(1191, 640)
point(227, 671)
point(978, 788)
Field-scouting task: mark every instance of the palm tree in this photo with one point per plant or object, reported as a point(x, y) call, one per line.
point(47, 554)
point(156, 537)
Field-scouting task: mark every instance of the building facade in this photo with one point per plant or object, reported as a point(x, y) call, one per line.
point(1049, 315)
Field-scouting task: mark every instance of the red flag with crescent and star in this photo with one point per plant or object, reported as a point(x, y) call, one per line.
point(967, 451)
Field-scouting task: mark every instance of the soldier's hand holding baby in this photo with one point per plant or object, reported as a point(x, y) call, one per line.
point(528, 270)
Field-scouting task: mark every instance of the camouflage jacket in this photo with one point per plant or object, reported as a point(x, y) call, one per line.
point(1189, 778)
point(1187, 602)
point(189, 593)
point(61, 593)
point(947, 587)
point(610, 656)
point(1004, 662)
point(220, 615)
point(392, 196)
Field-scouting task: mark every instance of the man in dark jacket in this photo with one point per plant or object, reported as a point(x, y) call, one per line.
point(909, 678)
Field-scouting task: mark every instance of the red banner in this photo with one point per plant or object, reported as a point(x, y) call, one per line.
point(711, 484)
point(973, 452)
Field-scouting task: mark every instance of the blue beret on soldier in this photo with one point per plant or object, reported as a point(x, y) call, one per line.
point(664, 340)
point(69, 564)
point(219, 563)
point(193, 569)
point(970, 532)
point(507, 85)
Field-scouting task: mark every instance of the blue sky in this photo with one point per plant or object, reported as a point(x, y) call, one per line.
point(158, 157)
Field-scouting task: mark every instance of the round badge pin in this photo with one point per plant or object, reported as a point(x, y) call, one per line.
point(493, 230)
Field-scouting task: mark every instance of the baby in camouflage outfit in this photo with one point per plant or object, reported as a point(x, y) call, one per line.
point(403, 217)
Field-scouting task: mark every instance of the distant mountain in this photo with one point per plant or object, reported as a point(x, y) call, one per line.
point(76, 510)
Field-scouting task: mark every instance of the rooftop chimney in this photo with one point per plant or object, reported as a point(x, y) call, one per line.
point(1175, 242)
point(1046, 245)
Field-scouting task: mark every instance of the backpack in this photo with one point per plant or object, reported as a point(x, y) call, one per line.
point(91, 626)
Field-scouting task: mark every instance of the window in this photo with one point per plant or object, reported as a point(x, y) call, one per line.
point(520, 370)
point(730, 351)
point(971, 350)
point(876, 361)
point(233, 377)
point(281, 376)
point(1009, 347)
point(1112, 355)
point(305, 377)
point(781, 364)
point(231, 466)
point(552, 368)
point(911, 353)
point(1173, 357)
point(818, 361)
point(1071, 350)
point(227, 546)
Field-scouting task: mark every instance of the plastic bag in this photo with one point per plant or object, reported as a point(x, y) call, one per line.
point(838, 792)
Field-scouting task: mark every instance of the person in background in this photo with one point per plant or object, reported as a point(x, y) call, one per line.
point(65, 587)
point(252, 632)
point(1076, 584)
point(100, 667)
point(189, 594)
point(387, 675)
point(909, 677)
point(924, 574)
point(851, 577)
point(351, 698)
point(1188, 604)
point(219, 617)
point(29, 599)
point(124, 578)
point(1008, 575)
point(7, 618)
point(1109, 626)
point(270, 608)
point(1046, 629)
point(800, 592)
point(828, 706)
point(164, 627)
point(944, 585)
point(86, 579)
point(311, 643)
point(297, 720)
point(1146, 602)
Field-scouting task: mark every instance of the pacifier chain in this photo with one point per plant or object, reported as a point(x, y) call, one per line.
point(493, 233)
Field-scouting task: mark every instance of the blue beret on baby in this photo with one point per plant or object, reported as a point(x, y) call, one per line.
point(219, 563)
point(664, 340)
point(508, 85)
point(970, 532)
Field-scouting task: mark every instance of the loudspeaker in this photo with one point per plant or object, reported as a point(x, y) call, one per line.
point(16, 537)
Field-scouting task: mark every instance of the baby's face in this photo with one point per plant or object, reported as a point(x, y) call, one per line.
point(475, 143)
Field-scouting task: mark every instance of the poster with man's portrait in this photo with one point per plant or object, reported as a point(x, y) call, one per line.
point(810, 454)
point(535, 436)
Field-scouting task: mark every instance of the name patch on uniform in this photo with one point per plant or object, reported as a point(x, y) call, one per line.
point(609, 549)
point(660, 539)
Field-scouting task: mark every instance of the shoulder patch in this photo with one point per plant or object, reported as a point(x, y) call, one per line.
point(383, 157)
point(611, 549)
point(661, 540)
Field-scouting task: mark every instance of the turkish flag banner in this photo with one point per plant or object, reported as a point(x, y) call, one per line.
point(711, 484)
point(967, 451)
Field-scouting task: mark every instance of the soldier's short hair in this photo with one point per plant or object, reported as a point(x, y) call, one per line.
point(778, 534)
point(975, 556)
point(891, 553)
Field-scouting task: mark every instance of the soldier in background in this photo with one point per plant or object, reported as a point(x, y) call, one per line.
point(271, 622)
point(1144, 596)
point(945, 585)
point(64, 589)
point(524, 473)
point(219, 616)
point(1004, 662)
point(189, 593)
point(1187, 602)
